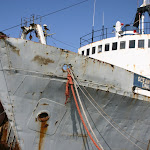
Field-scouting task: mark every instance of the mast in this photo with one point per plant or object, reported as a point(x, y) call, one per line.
point(103, 27)
point(145, 7)
point(143, 17)
point(93, 21)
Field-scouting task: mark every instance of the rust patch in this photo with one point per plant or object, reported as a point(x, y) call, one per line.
point(4, 136)
point(112, 66)
point(44, 104)
point(43, 130)
point(43, 117)
point(16, 146)
point(4, 133)
point(134, 67)
point(42, 61)
point(2, 35)
point(4, 145)
point(2, 114)
point(16, 51)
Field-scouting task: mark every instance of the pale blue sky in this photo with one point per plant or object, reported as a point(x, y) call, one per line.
point(70, 24)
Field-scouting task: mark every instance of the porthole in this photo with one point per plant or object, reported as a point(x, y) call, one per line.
point(43, 116)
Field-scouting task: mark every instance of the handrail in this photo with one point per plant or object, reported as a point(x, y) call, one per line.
point(104, 33)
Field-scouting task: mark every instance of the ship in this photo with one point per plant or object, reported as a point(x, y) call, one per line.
point(98, 98)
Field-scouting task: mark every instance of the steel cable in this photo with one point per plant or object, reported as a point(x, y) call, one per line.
point(106, 118)
point(84, 112)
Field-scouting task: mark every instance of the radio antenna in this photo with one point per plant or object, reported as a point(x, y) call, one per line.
point(93, 21)
point(103, 27)
point(137, 3)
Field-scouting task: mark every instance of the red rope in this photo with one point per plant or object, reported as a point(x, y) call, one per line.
point(67, 88)
point(72, 89)
point(67, 92)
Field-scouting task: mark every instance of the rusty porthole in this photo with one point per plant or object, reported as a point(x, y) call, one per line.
point(43, 116)
point(65, 67)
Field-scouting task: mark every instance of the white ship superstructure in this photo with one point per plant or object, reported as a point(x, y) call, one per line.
point(128, 49)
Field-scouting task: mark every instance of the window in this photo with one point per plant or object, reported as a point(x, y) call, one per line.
point(149, 43)
point(140, 43)
point(99, 48)
point(132, 44)
point(93, 50)
point(122, 45)
point(114, 46)
point(88, 52)
point(82, 52)
point(106, 47)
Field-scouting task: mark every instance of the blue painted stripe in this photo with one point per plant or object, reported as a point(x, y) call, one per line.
point(141, 82)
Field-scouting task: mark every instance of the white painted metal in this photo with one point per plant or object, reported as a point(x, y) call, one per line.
point(145, 2)
point(139, 24)
point(135, 59)
point(118, 28)
point(37, 28)
point(143, 23)
point(40, 34)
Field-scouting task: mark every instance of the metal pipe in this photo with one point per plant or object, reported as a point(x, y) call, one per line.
point(143, 23)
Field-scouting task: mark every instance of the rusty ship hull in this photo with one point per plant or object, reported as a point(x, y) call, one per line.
point(33, 80)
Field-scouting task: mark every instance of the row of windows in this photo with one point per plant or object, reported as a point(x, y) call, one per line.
point(115, 45)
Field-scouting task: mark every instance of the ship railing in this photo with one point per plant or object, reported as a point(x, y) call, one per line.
point(96, 35)
point(104, 33)
point(146, 28)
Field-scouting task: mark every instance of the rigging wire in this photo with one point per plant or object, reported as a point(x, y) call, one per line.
point(105, 117)
point(49, 14)
point(75, 85)
point(78, 109)
point(112, 119)
point(95, 125)
point(64, 43)
point(2, 112)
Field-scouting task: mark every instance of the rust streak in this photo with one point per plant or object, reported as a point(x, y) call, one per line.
point(16, 146)
point(44, 104)
point(4, 145)
point(4, 133)
point(3, 115)
point(16, 51)
point(43, 130)
point(41, 60)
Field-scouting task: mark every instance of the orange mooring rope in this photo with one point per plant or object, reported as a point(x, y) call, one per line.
point(72, 89)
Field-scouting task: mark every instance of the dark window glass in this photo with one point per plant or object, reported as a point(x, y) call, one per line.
point(88, 52)
point(140, 43)
point(149, 43)
point(106, 47)
point(114, 46)
point(99, 48)
point(82, 52)
point(132, 44)
point(122, 44)
point(93, 50)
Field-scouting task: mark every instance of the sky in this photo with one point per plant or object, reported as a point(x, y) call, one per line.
point(70, 24)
